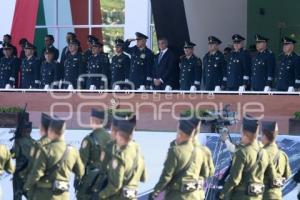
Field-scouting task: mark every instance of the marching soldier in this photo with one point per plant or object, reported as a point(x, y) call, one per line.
point(49, 40)
point(250, 164)
point(89, 52)
point(30, 68)
point(92, 153)
point(53, 166)
point(141, 62)
point(98, 64)
point(214, 65)
point(49, 70)
point(9, 66)
point(120, 64)
point(263, 65)
point(238, 65)
point(280, 160)
point(289, 66)
point(184, 168)
point(74, 66)
point(190, 69)
point(126, 169)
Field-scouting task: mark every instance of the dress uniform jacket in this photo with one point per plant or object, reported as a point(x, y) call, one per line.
point(49, 73)
point(242, 172)
point(177, 158)
point(92, 153)
point(288, 72)
point(190, 72)
point(47, 157)
point(214, 70)
point(88, 54)
point(262, 70)
point(74, 66)
point(283, 170)
point(141, 65)
point(120, 66)
point(98, 64)
point(125, 170)
point(238, 69)
point(8, 71)
point(5, 161)
point(30, 73)
point(164, 68)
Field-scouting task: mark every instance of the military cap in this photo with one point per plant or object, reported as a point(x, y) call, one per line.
point(50, 50)
point(56, 123)
point(195, 121)
point(7, 46)
point(51, 37)
point(45, 120)
point(288, 40)
point(120, 116)
point(119, 42)
point(8, 36)
point(27, 125)
point(23, 41)
point(92, 38)
point(213, 40)
point(28, 45)
point(250, 124)
point(97, 44)
point(188, 44)
point(140, 36)
point(269, 126)
point(100, 114)
point(236, 38)
point(186, 126)
point(125, 126)
point(72, 34)
point(259, 38)
point(75, 42)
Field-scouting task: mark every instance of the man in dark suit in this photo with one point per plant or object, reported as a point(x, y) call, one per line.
point(163, 67)
point(49, 41)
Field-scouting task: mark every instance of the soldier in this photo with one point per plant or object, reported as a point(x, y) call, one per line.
point(190, 69)
point(98, 64)
point(289, 66)
point(7, 39)
point(92, 153)
point(250, 164)
point(74, 66)
point(263, 65)
point(9, 66)
point(22, 43)
point(120, 65)
point(53, 166)
point(141, 62)
point(49, 40)
point(184, 168)
point(49, 70)
point(126, 169)
point(6, 163)
point(30, 77)
point(89, 52)
point(214, 65)
point(238, 65)
point(280, 160)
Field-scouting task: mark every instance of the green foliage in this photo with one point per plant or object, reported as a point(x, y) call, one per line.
point(10, 109)
point(297, 115)
point(192, 112)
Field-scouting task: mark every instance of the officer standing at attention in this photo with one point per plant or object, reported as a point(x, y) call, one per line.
point(98, 64)
point(190, 69)
point(280, 160)
point(238, 65)
point(7, 39)
point(30, 68)
point(49, 70)
point(289, 66)
point(120, 65)
point(92, 153)
point(74, 66)
point(184, 168)
point(9, 65)
point(214, 65)
point(53, 166)
point(141, 62)
point(250, 164)
point(49, 40)
point(263, 65)
point(89, 52)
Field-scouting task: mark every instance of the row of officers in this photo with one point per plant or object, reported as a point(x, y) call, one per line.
point(138, 68)
point(111, 166)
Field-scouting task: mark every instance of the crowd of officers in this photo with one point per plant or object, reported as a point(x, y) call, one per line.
point(138, 67)
point(111, 166)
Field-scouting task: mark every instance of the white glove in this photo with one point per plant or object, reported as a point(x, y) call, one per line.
point(217, 88)
point(142, 87)
point(7, 86)
point(168, 88)
point(93, 87)
point(193, 88)
point(267, 89)
point(242, 88)
point(117, 87)
point(291, 89)
point(47, 87)
point(70, 87)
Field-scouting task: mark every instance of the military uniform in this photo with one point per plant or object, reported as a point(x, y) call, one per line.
point(263, 66)
point(214, 67)
point(5, 161)
point(238, 66)
point(89, 53)
point(55, 52)
point(8, 69)
point(140, 73)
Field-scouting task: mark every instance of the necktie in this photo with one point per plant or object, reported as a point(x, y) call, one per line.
point(160, 56)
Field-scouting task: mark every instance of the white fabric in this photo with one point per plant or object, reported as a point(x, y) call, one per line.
point(267, 89)
point(291, 89)
point(230, 147)
point(7, 86)
point(47, 87)
point(168, 88)
point(93, 87)
point(297, 81)
point(193, 88)
point(242, 88)
point(12, 79)
point(270, 78)
point(224, 78)
point(246, 77)
point(117, 87)
point(70, 87)
point(197, 82)
point(217, 88)
point(142, 87)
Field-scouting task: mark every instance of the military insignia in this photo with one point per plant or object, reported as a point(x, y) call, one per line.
point(75, 59)
point(143, 56)
point(114, 164)
point(217, 58)
point(84, 144)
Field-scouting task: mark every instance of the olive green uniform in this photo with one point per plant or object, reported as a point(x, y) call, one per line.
point(125, 170)
point(5, 161)
point(178, 157)
point(242, 172)
point(46, 158)
point(92, 154)
point(283, 170)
